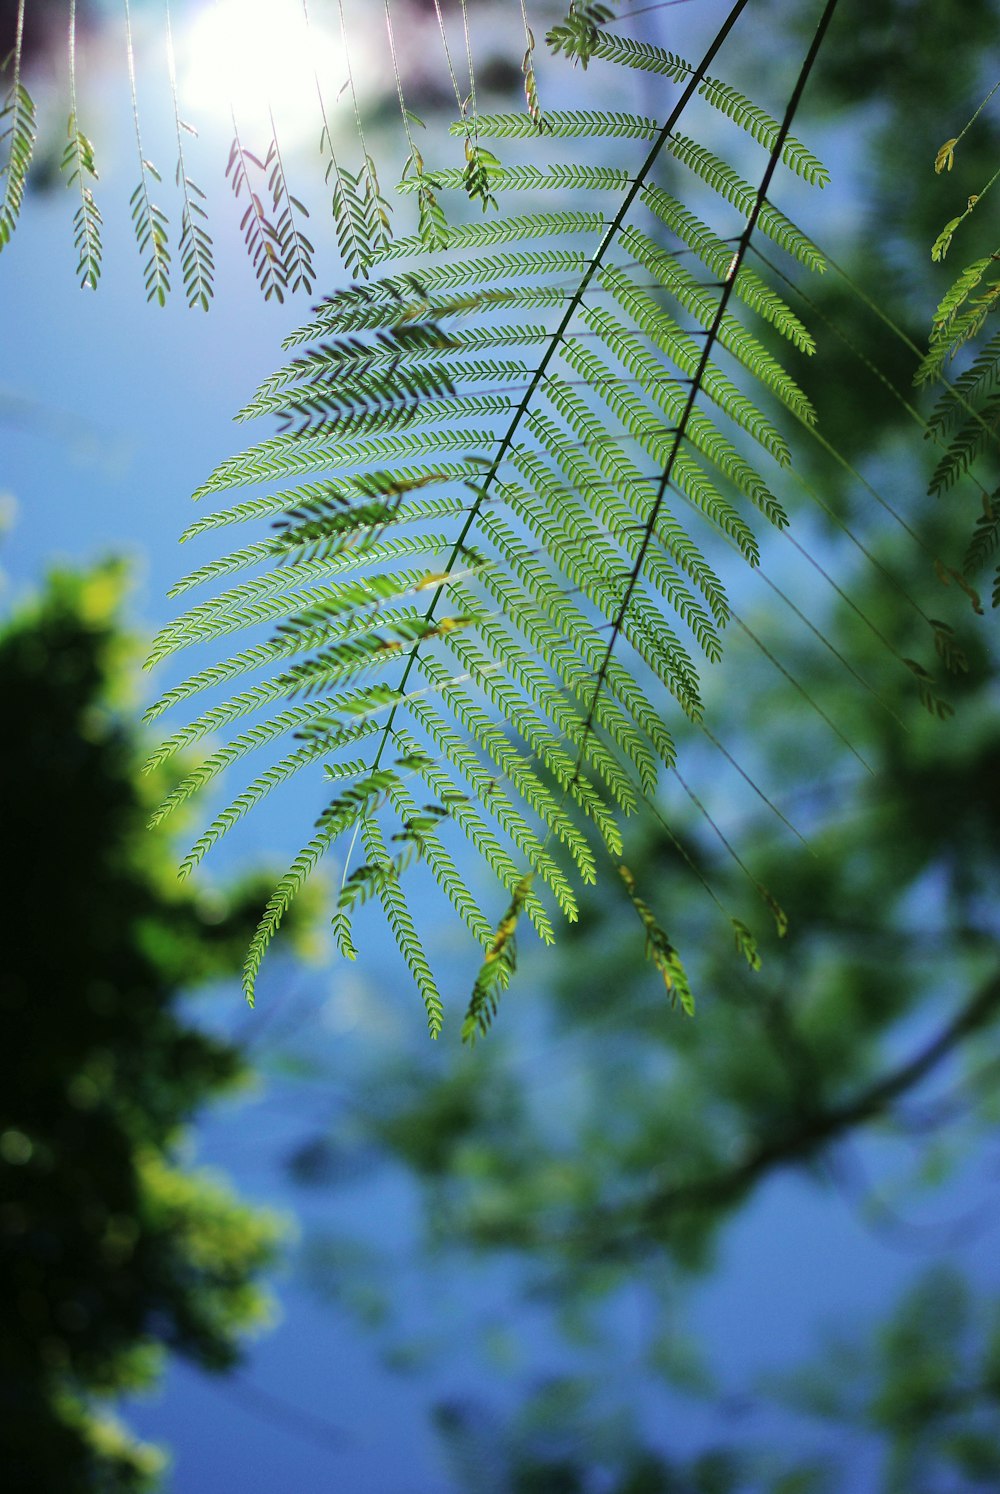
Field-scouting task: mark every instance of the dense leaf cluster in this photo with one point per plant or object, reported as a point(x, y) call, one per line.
point(478, 661)
point(109, 1249)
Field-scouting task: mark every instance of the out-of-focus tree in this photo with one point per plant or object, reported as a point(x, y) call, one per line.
point(609, 1142)
point(111, 1252)
point(926, 1386)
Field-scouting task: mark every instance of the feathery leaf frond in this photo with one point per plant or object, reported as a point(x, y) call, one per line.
point(149, 221)
point(195, 244)
point(555, 495)
point(260, 234)
point(80, 169)
point(17, 130)
point(79, 165)
point(965, 419)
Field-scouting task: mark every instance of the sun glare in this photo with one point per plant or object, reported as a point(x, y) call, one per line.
point(248, 54)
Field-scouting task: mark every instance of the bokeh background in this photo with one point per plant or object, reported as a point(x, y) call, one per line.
point(612, 1248)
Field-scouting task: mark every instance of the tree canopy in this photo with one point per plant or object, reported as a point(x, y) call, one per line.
point(111, 1250)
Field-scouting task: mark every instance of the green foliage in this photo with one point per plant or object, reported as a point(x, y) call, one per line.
point(659, 948)
point(294, 248)
point(195, 247)
point(638, 422)
point(150, 225)
point(502, 673)
point(721, 96)
point(260, 234)
point(109, 1250)
point(682, 1121)
point(606, 1148)
point(579, 35)
point(360, 213)
point(17, 135)
point(80, 168)
point(497, 968)
point(149, 222)
point(531, 100)
point(964, 421)
point(559, 1444)
point(927, 1384)
point(195, 243)
point(627, 1135)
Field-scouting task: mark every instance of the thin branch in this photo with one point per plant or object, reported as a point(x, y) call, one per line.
point(635, 1228)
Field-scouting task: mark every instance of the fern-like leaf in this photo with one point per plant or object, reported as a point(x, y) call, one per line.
point(567, 122)
point(17, 133)
point(149, 222)
point(195, 245)
point(80, 168)
point(360, 212)
point(260, 235)
point(660, 950)
point(497, 968)
point(721, 96)
point(986, 537)
point(531, 100)
point(151, 235)
point(489, 504)
point(960, 317)
point(401, 923)
point(295, 249)
point(579, 35)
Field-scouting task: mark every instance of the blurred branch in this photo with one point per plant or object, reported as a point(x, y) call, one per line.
point(826, 1125)
point(264, 1405)
point(636, 1226)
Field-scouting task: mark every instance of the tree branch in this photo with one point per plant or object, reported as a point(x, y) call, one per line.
point(633, 1227)
point(822, 1126)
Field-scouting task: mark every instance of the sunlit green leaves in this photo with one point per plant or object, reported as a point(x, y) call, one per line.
point(482, 582)
point(279, 251)
point(497, 968)
point(659, 949)
point(360, 212)
point(17, 137)
point(80, 169)
point(195, 247)
point(151, 233)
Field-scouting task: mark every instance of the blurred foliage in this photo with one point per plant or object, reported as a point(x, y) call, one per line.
point(901, 79)
point(927, 1382)
point(926, 1385)
point(600, 1149)
point(555, 1446)
point(110, 1251)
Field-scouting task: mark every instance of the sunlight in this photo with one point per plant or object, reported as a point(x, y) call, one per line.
point(246, 54)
